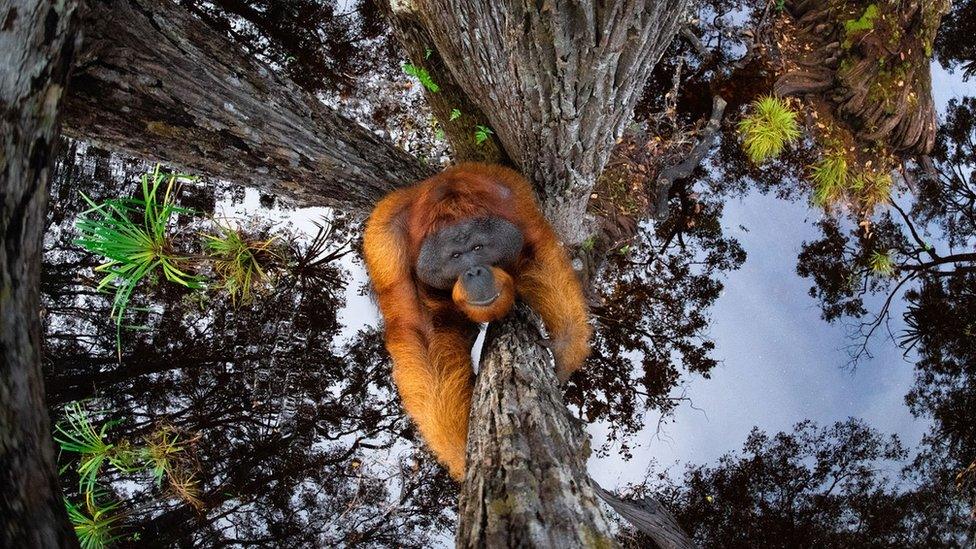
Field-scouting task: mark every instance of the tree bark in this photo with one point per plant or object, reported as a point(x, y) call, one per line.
point(450, 98)
point(651, 518)
point(38, 40)
point(558, 80)
point(526, 483)
point(155, 82)
point(877, 79)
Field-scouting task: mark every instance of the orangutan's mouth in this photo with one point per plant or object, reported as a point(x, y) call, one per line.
point(486, 302)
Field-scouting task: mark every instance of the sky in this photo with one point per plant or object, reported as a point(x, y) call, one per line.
point(780, 362)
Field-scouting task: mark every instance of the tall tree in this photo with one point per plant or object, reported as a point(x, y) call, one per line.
point(202, 104)
point(38, 41)
point(557, 83)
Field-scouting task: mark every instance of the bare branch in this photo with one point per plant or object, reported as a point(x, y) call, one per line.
point(649, 517)
point(667, 177)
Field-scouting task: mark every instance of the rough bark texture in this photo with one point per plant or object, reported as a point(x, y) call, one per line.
point(155, 82)
point(460, 132)
point(526, 483)
point(558, 80)
point(38, 40)
point(877, 78)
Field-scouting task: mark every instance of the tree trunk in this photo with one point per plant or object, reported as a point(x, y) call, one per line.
point(37, 43)
point(558, 80)
point(870, 61)
point(526, 483)
point(157, 83)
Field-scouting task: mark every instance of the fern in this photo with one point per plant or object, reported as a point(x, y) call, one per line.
point(482, 133)
point(423, 76)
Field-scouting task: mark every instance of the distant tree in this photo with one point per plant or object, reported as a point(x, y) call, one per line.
point(925, 254)
point(816, 487)
point(321, 46)
point(930, 243)
point(654, 296)
point(952, 51)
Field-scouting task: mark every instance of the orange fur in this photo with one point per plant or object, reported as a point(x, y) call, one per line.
point(428, 333)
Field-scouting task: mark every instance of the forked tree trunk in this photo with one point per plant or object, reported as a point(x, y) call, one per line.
point(557, 79)
point(157, 83)
point(38, 40)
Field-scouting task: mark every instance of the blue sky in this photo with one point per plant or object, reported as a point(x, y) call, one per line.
point(781, 363)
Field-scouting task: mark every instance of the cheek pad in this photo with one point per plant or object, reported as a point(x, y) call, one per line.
point(431, 269)
point(506, 244)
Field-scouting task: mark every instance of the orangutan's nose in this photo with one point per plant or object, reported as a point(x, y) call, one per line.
point(479, 285)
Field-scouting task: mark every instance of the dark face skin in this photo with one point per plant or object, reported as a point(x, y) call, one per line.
point(467, 251)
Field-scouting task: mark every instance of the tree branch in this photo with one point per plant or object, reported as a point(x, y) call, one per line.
point(651, 518)
point(955, 258)
point(685, 169)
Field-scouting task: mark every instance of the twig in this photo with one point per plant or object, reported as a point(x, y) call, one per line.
point(696, 44)
point(671, 98)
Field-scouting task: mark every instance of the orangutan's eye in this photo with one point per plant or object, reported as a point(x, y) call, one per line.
point(456, 255)
point(478, 247)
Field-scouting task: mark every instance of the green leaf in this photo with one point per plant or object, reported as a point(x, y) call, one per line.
point(482, 133)
point(132, 236)
point(423, 76)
